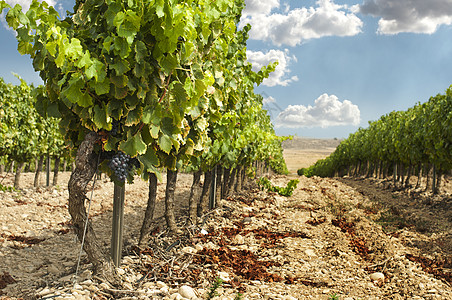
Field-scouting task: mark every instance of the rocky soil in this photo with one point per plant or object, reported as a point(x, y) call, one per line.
point(332, 239)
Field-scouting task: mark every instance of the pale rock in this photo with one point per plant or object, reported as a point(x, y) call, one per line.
point(239, 240)
point(176, 296)
point(211, 245)
point(152, 292)
point(148, 284)
point(187, 292)
point(87, 282)
point(120, 271)
point(127, 260)
point(432, 291)
point(199, 247)
point(87, 274)
point(164, 290)
point(224, 276)
point(104, 286)
point(189, 250)
point(92, 288)
point(44, 291)
point(247, 220)
point(377, 276)
point(128, 286)
point(81, 297)
point(161, 284)
point(78, 287)
point(310, 252)
point(326, 291)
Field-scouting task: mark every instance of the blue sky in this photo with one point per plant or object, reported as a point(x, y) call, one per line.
point(342, 62)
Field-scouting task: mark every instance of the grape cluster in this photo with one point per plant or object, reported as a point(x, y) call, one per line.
point(115, 128)
point(120, 165)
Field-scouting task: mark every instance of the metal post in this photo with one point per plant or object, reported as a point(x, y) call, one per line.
point(213, 189)
point(48, 170)
point(117, 226)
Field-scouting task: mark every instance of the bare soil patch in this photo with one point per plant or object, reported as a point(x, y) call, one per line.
point(322, 240)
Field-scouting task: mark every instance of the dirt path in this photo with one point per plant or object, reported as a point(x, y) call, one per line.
point(428, 218)
point(321, 241)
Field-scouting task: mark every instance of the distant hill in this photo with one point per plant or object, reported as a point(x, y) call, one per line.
point(310, 143)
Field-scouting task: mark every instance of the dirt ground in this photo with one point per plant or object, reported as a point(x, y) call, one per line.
point(336, 238)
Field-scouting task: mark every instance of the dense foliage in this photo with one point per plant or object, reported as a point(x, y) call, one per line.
point(171, 76)
point(25, 134)
point(287, 191)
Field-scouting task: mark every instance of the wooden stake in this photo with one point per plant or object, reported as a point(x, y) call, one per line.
point(118, 222)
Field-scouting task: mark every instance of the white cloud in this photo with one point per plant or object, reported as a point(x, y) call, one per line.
point(327, 111)
point(259, 7)
point(297, 25)
point(268, 100)
point(417, 16)
point(279, 77)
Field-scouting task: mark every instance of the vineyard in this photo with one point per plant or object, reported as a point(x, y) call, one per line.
point(416, 142)
point(178, 185)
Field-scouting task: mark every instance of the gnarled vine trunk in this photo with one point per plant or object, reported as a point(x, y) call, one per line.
point(38, 171)
point(149, 214)
point(203, 206)
point(19, 168)
point(192, 200)
point(85, 168)
point(171, 178)
point(56, 170)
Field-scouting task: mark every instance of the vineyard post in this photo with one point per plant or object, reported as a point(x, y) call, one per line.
point(213, 188)
point(48, 170)
point(118, 223)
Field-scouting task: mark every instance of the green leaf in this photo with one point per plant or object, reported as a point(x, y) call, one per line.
point(159, 6)
point(121, 67)
point(169, 63)
point(155, 131)
point(178, 91)
point(134, 145)
point(85, 100)
point(51, 47)
point(146, 135)
point(101, 87)
point(85, 60)
point(96, 70)
point(24, 47)
point(122, 47)
point(73, 90)
point(53, 111)
point(141, 51)
point(165, 143)
point(119, 81)
point(100, 118)
point(74, 49)
point(134, 116)
point(3, 5)
point(167, 126)
point(120, 92)
point(111, 144)
point(149, 158)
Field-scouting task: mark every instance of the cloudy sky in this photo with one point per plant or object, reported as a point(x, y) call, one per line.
point(342, 63)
